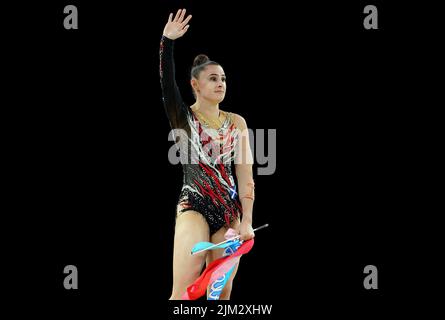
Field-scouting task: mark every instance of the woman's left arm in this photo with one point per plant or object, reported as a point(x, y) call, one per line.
point(244, 175)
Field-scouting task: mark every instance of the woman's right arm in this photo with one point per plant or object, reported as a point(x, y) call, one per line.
point(171, 96)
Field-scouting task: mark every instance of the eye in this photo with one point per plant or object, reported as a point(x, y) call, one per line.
point(212, 78)
point(223, 79)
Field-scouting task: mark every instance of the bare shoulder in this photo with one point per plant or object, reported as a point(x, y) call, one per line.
point(238, 120)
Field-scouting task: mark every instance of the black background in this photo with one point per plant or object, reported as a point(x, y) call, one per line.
point(346, 188)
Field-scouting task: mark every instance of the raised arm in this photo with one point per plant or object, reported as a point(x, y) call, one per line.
point(173, 103)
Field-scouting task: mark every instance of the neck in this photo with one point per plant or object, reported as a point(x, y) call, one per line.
point(209, 109)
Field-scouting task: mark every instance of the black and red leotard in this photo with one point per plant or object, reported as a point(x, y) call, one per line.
point(206, 154)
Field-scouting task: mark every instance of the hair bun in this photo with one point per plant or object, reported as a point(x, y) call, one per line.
point(200, 59)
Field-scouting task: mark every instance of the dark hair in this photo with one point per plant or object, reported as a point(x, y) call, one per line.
point(201, 61)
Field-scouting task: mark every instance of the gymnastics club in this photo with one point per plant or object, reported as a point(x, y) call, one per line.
point(230, 239)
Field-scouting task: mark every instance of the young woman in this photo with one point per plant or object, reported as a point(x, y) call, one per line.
point(210, 140)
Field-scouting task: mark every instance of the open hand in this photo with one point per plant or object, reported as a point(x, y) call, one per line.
point(177, 27)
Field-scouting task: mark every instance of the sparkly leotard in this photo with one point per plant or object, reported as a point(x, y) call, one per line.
point(206, 154)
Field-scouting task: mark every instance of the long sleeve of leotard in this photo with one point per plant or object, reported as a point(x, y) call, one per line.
point(171, 96)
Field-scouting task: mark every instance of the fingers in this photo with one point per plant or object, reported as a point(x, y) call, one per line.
point(181, 17)
point(247, 236)
point(186, 20)
point(177, 15)
point(185, 28)
point(170, 17)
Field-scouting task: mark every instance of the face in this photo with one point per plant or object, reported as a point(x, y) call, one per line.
point(211, 84)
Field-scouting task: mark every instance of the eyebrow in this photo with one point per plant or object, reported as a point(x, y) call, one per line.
point(214, 74)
